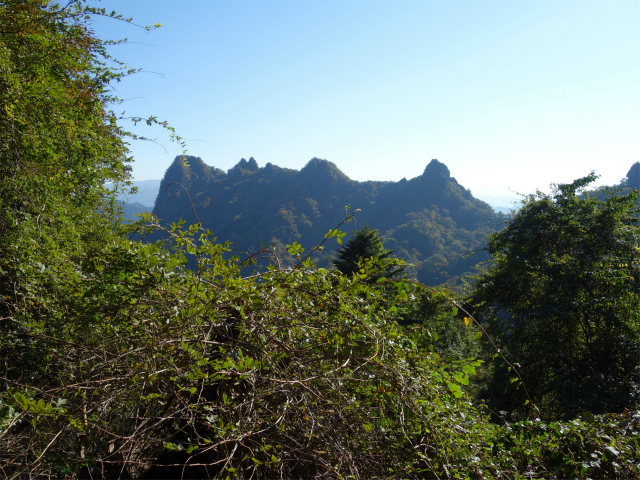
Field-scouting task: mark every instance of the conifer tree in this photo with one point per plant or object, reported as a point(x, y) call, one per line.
point(366, 244)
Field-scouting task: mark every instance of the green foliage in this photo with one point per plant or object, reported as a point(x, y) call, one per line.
point(562, 298)
point(293, 373)
point(366, 245)
point(602, 446)
point(451, 333)
point(289, 374)
point(60, 146)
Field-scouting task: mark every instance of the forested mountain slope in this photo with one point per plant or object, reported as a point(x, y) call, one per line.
point(431, 220)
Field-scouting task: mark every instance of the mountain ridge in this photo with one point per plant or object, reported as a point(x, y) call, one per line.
point(430, 220)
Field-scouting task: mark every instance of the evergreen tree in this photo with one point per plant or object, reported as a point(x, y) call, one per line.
point(366, 245)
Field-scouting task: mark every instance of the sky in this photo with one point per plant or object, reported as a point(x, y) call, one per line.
point(512, 95)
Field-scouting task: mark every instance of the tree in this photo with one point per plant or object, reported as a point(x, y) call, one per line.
point(366, 245)
point(59, 142)
point(60, 145)
point(562, 296)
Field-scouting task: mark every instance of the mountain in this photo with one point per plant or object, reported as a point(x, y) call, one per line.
point(431, 220)
point(501, 203)
point(142, 201)
point(146, 194)
point(632, 180)
point(628, 183)
point(130, 211)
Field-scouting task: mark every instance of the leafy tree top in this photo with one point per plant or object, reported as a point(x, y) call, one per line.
point(562, 298)
point(63, 150)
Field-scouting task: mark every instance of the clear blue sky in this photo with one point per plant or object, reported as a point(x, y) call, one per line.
point(511, 95)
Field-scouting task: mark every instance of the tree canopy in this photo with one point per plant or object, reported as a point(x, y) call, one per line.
point(561, 295)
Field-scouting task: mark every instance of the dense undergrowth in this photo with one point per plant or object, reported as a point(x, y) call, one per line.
point(144, 368)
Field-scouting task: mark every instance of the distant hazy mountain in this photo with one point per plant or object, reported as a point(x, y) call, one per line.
point(430, 220)
point(142, 201)
point(146, 194)
point(130, 211)
point(632, 180)
point(501, 203)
